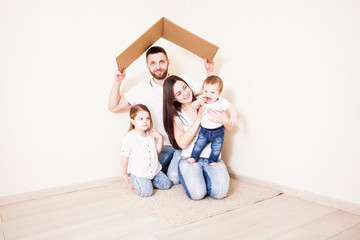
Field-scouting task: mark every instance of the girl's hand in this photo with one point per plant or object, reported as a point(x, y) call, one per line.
point(159, 141)
point(127, 179)
point(155, 134)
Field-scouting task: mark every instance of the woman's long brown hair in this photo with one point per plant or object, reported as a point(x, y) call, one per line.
point(171, 107)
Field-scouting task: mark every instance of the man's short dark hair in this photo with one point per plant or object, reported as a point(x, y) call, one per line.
point(155, 49)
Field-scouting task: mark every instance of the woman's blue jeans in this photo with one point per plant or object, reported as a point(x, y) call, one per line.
point(200, 179)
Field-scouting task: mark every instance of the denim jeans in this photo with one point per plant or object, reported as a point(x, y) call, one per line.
point(169, 159)
point(213, 136)
point(165, 157)
point(144, 186)
point(200, 179)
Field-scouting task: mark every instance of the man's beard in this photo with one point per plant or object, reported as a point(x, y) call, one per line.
point(161, 77)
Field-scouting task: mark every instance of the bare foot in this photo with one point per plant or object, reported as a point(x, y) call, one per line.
point(191, 160)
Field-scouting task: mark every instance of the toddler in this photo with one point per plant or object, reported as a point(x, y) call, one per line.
point(210, 131)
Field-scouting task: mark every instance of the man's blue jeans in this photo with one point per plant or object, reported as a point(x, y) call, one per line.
point(169, 159)
point(213, 136)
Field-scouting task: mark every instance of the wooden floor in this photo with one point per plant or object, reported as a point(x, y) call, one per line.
point(98, 213)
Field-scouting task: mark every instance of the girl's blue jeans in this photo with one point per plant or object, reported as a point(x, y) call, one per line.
point(144, 187)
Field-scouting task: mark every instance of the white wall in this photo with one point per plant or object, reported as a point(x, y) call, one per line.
point(290, 67)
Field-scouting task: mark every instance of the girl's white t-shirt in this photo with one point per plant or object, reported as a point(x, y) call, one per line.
point(142, 154)
point(186, 152)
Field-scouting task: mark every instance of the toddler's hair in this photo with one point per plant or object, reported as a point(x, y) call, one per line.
point(213, 79)
point(133, 112)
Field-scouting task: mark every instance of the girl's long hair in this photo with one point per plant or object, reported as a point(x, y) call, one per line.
point(171, 107)
point(133, 112)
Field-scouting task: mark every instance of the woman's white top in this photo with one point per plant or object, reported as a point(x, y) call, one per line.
point(141, 151)
point(186, 152)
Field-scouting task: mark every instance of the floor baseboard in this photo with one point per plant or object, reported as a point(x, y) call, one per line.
point(313, 197)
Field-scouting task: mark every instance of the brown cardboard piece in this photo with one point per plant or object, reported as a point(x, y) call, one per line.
point(168, 30)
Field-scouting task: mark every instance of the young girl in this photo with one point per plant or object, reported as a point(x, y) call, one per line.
point(139, 154)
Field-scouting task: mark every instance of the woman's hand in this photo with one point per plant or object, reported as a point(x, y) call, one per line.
point(219, 117)
point(232, 121)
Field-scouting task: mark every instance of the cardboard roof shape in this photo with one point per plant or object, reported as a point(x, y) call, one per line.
point(168, 30)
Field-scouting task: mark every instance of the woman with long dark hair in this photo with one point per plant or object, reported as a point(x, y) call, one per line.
point(181, 123)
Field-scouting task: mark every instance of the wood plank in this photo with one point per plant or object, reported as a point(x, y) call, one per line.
point(350, 234)
point(96, 228)
point(31, 225)
point(300, 234)
point(27, 196)
point(333, 223)
point(109, 227)
point(139, 236)
point(306, 195)
point(47, 204)
point(2, 237)
point(282, 224)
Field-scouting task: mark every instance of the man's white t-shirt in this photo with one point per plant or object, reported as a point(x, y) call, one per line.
point(151, 95)
point(220, 105)
point(141, 151)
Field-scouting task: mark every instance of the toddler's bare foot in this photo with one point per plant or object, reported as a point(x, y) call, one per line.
point(214, 164)
point(191, 160)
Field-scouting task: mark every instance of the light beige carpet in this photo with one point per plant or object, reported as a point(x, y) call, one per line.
point(176, 209)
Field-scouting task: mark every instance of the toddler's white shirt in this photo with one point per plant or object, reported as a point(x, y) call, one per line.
point(220, 105)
